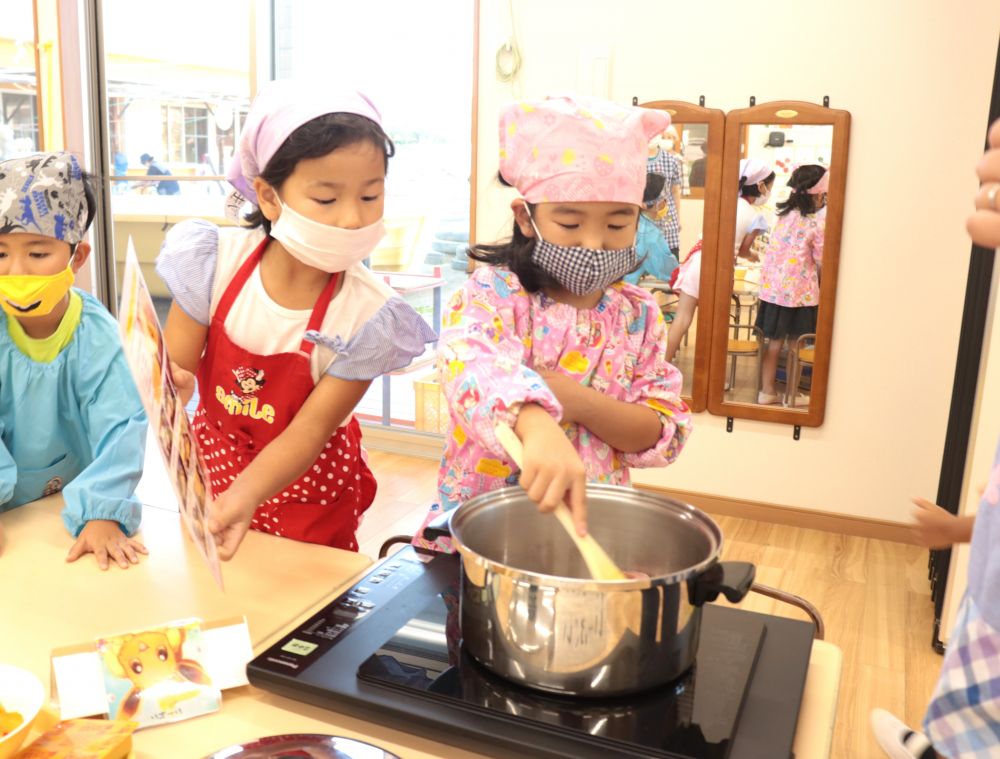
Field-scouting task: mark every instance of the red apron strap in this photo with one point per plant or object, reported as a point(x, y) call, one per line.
point(236, 283)
point(319, 310)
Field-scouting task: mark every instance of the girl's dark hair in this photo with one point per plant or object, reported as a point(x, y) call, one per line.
point(752, 190)
point(314, 139)
point(799, 182)
point(89, 182)
point(515, 253)
point(654, 186)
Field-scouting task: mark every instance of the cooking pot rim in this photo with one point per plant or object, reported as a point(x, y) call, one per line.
point(467, 511)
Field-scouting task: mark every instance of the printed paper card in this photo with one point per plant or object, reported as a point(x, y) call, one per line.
point(146, 353)
point(157, 675)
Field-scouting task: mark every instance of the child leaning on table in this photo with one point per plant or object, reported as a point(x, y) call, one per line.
point(70, 417)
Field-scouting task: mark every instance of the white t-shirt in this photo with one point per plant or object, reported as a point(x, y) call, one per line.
point(368, 329)
point(748, 219)
point(260, 325)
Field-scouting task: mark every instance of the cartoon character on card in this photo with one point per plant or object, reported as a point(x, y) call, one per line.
point(149, 659)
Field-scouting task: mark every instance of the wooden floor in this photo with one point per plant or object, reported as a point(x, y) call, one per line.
point(873, 596)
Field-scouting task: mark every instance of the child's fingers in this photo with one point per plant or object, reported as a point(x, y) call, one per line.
point(116, 555)
point(138, 546)
point(554, 494)
point(130, 553)
point(984, 228)
point(994, 134)
point(77, 550)
point(231, 541)
point(578, 505)
point(988, 167)
point(923, 503)
point(101, 554)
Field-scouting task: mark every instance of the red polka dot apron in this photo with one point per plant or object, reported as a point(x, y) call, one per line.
point(247, 400)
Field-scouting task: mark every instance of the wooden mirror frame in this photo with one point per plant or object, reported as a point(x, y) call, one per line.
point(779, 112)
point(688, 113)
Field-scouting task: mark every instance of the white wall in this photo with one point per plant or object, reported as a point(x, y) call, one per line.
point(916, 77)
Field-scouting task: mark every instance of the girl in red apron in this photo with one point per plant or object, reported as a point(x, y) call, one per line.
point(283, 325)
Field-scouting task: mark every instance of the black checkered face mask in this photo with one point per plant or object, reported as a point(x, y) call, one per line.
point(582, 270)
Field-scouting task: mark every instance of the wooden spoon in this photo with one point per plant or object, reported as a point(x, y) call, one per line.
point(596, 558)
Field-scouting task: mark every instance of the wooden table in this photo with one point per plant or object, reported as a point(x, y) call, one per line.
point(274, 582)
point(48, 603)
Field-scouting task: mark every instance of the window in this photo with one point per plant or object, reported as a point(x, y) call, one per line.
point(18, 81)
point(195, 134)
point(20, 115)
point(173, 132)
point(428, 185)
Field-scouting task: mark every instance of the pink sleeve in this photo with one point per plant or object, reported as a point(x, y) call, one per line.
point(481, 355)
point(657, 384)
point(819, 237)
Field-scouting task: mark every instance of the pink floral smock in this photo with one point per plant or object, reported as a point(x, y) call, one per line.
point(790, 270)
point(494, 337)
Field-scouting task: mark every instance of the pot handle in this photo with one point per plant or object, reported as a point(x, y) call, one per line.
point(730, 578)
point(439, 527)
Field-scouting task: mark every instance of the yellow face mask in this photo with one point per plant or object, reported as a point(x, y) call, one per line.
point(34, 294)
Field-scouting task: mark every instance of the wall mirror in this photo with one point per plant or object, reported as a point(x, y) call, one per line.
point(775, 279)
point(688, 218)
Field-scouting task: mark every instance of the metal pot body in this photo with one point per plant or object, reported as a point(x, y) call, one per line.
point(531, 613)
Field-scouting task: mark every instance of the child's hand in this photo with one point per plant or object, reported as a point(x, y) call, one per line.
point(570, 394)
point(184, 381)
point(936, 527)
point(104, 538)
point(552, 471)
point(229, 519)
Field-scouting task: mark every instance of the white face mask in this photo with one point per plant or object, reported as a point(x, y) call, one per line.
point(668, 144)
point(762, 199)
point(324, 247)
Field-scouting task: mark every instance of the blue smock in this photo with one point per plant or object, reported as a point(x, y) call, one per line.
point(74, 424)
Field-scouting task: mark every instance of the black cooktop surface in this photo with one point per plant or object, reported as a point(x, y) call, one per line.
point(388, 648)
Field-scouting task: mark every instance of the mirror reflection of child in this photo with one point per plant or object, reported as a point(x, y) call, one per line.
point(756, 183)
point(655, 257)
point(546, 337)
point(789, 282)
point(664, 159)
point(70, 416)
point(962, 717)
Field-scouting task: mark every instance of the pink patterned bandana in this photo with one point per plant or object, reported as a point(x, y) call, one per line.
point(574, 149)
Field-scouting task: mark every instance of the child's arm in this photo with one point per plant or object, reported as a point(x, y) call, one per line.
point(552, 467)
point(936, 528)
point(819, 238)
point(627, 427)
point(101, 510)
point(185, 339)
point(485, 381)
point(8, 471)
point(284, 459)
point(651, 425)
point(187, 264)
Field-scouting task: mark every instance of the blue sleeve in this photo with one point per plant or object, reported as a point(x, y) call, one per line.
point(186, 265)
point(114, 423)
point(654, 252)
point(390, 340)
point(8, 470)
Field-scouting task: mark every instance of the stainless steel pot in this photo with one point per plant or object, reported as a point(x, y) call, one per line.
point(532, 614)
